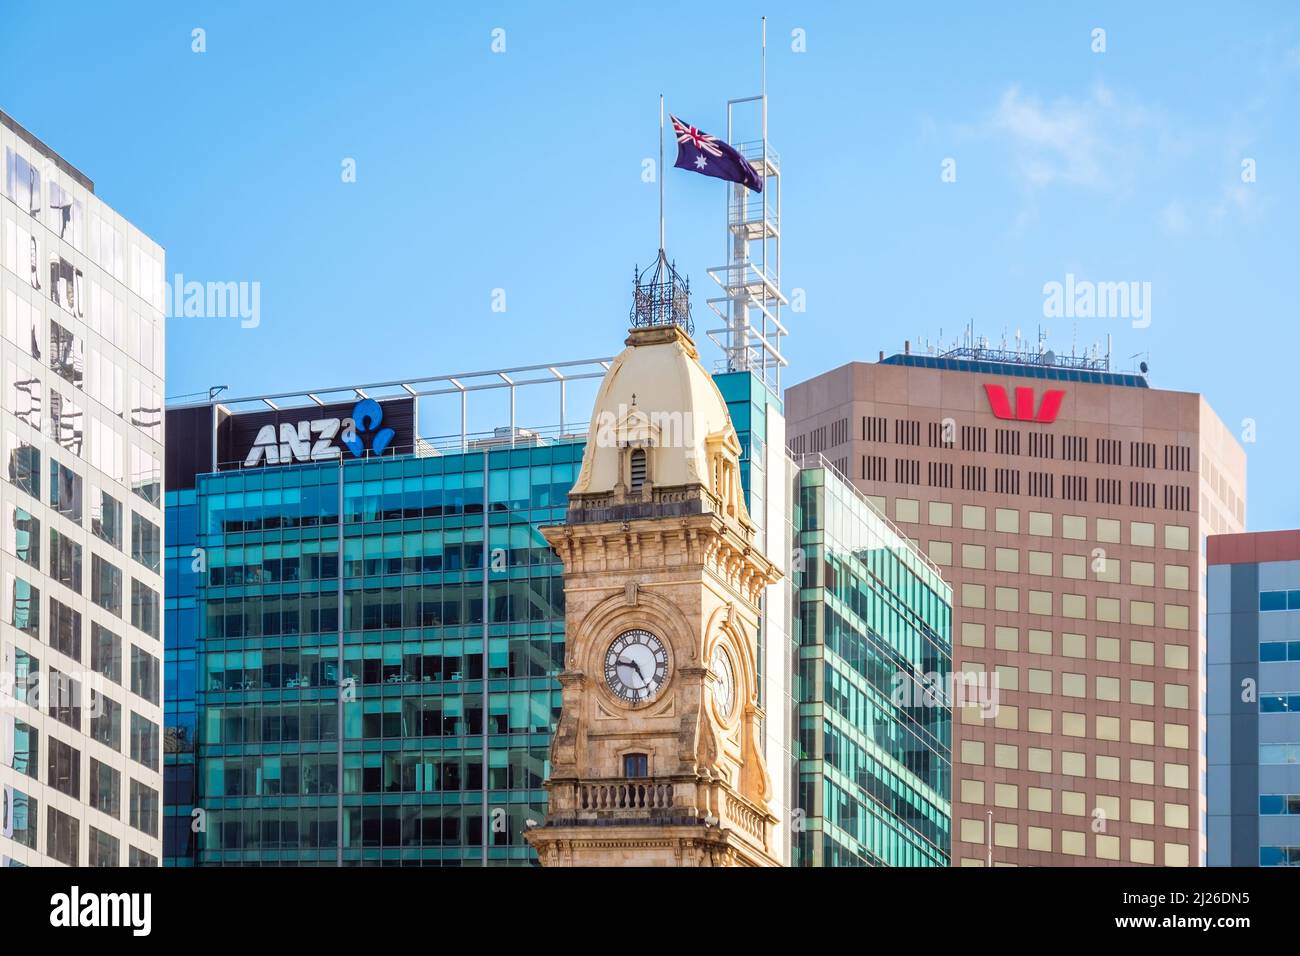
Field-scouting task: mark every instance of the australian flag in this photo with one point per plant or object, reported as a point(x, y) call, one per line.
point(702, 153)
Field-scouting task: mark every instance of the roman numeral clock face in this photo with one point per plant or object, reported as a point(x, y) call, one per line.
point(636, 666)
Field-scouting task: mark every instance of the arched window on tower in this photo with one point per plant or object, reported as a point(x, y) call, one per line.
point(637, 470)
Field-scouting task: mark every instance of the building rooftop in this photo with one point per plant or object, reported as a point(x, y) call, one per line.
point(1252, 547)
point(1023, 364)
point(61, 163)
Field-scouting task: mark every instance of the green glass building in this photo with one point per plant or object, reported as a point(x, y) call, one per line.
point(422, 585)
point(873, 617)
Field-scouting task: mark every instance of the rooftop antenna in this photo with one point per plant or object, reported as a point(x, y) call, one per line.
point(751, 300)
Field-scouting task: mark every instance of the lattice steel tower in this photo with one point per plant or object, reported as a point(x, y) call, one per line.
point(750, 306)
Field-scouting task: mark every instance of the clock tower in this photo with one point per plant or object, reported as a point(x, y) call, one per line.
point(657, 759)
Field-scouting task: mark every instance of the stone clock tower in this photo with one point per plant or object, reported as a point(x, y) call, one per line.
point(657, 758)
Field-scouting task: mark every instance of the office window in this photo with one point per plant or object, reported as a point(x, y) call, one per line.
point(63, 767)
point(106, 722)
point(144, 808)
point(144, 675)
point(65, 561)
point(1007, 520)
point(65, 629)
point(1108, 530)
point(103, 849)
point(1142, 534)
point(906, 509)
point(105, 584)
point(1040, 524)
point(1074, 527)
point(65, 492)
point(62, 833)
point(24, 465)
point(64, 693)
point(972, 516)
point(145, 539)
point(144, 741)
point(106, 517)
point(23, 536)
point(144, 608)
point(138, 857)
point(972, 556)
point(105, 789)
point(105, 652)
point(24, 606)
point(940, 513)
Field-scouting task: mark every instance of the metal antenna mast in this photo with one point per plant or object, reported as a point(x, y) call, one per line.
point(750, 305)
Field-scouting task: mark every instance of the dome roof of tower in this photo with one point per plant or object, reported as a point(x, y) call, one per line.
point(657, 389)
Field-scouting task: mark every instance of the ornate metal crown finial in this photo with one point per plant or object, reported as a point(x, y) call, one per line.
point(660, 296)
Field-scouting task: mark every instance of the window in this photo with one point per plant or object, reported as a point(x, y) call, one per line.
point(65, 629)
point(25, 396)
point(637, 470)
point(61, 835)
point(145, 535)
point(63, 767)
point(105, 789)
point(144, 608)
point(65, 492)
point(65, 561)
point(106, 723)
point(144, 675)
point(64, 694)
point(138, 857)
point(106, 517)
point(105, 652)
point(105, 584)
point(27, 747)
point(21, 812)
point(24, 606)
point(103, 849)
point(144, 808)
point(146, 476)
point(23, 536)
point(144, 741)
point(636, 765)
point(67, 422)
point(24, 462)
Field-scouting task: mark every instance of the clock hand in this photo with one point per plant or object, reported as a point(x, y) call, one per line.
point(632, 664)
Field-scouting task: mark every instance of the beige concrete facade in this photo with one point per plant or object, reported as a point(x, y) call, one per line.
point(1073, 548)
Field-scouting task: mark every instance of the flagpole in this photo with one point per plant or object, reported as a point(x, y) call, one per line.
point(661, 173)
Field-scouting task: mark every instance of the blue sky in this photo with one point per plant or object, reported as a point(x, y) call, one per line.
point(522, 171)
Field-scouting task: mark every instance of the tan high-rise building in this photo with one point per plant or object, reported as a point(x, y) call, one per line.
point(1066, 504)
point(658, 756)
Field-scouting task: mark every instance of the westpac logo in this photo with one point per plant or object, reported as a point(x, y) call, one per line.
point(1024, 410)
point(314, 439)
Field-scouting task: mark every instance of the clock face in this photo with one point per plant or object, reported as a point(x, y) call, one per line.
point(724, 688)
point(636, 666)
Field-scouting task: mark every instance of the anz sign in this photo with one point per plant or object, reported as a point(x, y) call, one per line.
point(322, 439)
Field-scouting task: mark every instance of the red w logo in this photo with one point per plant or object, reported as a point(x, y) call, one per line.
point(1047, 408)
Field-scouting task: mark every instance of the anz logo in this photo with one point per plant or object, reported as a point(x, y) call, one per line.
point(1024, 410)
point(314, 440)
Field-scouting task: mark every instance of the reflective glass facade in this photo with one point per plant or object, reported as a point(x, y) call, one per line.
point(874, 776)
point(376, 650)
